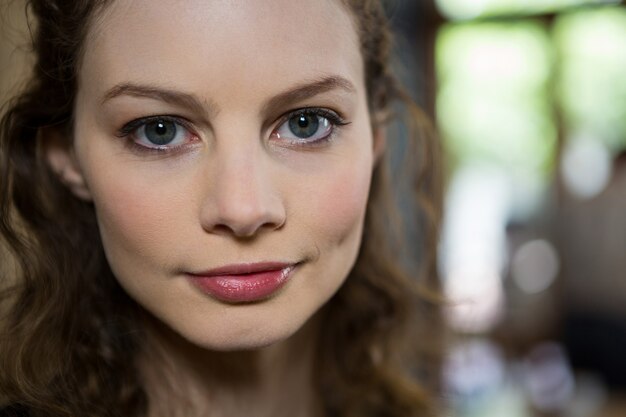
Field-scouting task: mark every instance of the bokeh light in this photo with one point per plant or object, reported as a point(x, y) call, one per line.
point(593, 102)
point(535, 266)
point(470, 9)
point(585, 167)
point(493, 101)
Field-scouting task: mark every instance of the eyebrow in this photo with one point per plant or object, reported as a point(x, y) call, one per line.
point(179, 98)
point(308, 90)
point(191, 102)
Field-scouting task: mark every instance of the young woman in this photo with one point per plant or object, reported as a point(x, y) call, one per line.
point(197, 200)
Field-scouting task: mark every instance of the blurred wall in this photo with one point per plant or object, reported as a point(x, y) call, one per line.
point(14, 57)
point(14, 70)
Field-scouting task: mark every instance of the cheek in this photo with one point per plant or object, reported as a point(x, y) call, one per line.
point(336, 208)
point(138, 220)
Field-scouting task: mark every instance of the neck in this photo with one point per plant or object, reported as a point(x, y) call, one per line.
point(183, 379)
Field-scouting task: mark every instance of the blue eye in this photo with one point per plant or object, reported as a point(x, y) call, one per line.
point(306, 125)
point(158, 133)
point(309, 125)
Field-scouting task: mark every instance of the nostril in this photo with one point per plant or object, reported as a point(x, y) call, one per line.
point(246, 223)
point(222, 229)
point(242, 201)
point(239, 232)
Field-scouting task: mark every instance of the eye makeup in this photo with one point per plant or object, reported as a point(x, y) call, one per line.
point(159, 134)
point(308, 127)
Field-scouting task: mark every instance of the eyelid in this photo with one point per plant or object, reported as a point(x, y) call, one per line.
point(129, 131)
point(335, 117)
point(130, 127)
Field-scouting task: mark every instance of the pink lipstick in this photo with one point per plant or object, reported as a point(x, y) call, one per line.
point(243, 283)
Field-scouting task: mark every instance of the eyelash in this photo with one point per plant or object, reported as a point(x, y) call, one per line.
point(336, 122)
point(130, 129)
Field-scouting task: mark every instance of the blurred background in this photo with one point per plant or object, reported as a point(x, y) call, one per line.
point(529, 97)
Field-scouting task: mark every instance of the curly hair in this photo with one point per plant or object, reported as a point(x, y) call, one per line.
point(68, 332)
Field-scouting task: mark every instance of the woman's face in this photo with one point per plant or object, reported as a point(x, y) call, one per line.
point(227, 148)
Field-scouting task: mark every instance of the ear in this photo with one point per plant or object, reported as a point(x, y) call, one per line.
point(380, 143)
point(60, 156)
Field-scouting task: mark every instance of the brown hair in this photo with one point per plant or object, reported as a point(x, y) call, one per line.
point(67, 333)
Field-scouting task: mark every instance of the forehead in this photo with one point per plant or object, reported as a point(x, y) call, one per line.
point(196, 42)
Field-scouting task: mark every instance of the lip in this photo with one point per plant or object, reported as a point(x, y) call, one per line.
point(243, 283)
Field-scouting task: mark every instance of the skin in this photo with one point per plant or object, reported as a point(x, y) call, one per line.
point(235, 192)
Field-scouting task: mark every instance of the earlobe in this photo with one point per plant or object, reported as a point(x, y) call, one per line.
point(61, 159)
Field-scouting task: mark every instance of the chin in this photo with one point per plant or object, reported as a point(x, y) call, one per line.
point(259, 339)
point(243, 328)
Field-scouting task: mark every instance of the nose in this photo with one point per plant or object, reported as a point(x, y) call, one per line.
point(243, 199)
